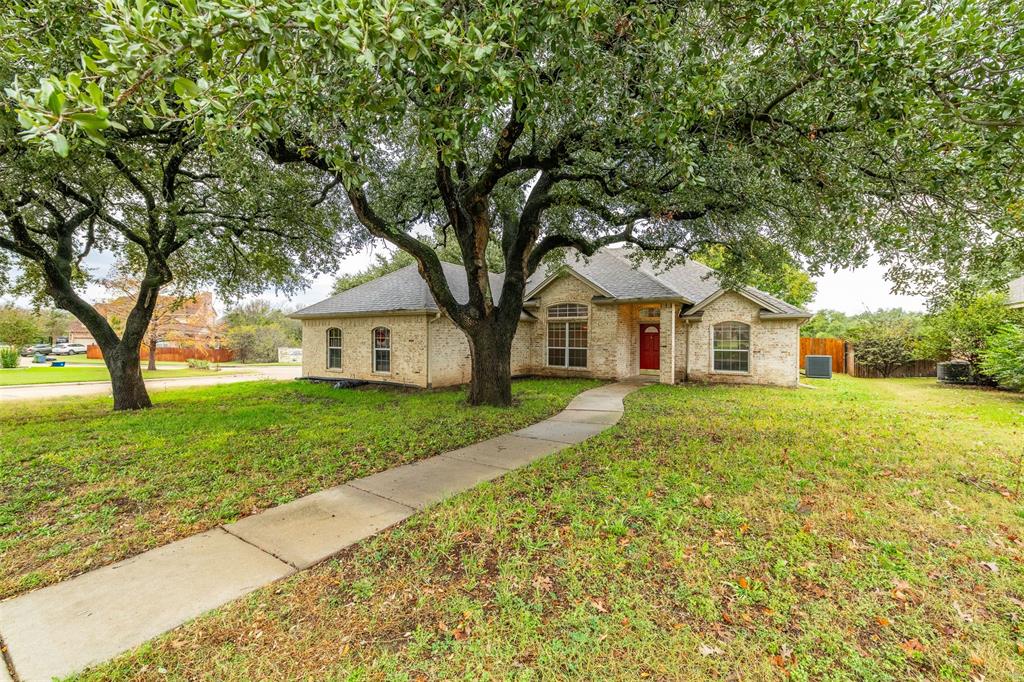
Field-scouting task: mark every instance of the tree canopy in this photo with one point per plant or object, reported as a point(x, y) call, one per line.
point(961, 328)
point(772, 129)
point(166, 204)
point(839, 325)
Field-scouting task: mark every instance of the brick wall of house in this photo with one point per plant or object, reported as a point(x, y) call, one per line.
point(450, 362)
point(603, 325)
point(408, 348)
point(775, 345)
point(613, 331)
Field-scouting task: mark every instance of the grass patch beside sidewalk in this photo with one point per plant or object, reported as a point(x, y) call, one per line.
point(81, 486)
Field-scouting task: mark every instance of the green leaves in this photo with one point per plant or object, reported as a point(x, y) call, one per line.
point(184, 87)
point(59, 143)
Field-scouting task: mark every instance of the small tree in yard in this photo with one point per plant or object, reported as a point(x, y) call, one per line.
point(1003, 357)
point(18, 327)
point(774, 129)
point(258, 343)
point(53, 323)
point(884, 346)
point(256, 329)
point(962, 329)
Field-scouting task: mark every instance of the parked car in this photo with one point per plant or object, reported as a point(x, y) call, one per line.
point(37, 349)
point(69, 349)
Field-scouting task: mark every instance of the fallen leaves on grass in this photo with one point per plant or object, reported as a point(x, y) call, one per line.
point(912, 646)
point(708, 650)
point(706, 501)
point(901, 591)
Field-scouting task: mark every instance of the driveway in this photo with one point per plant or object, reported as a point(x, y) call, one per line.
point(227, 375)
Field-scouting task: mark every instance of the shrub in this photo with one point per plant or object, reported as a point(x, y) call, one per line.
point(258, 343)
point(1003, 359)
point(962, 328)
point(883, 346)
point(8, 358)
point(195, 363)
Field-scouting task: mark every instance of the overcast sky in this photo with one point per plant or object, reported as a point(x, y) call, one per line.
point(850, 291)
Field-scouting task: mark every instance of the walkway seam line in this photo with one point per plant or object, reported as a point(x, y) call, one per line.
point(265, 551)
point(384, 497)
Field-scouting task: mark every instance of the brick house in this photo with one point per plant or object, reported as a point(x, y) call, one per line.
point(600, 317)
point(177, 321)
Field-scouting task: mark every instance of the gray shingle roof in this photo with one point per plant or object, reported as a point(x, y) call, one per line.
point(612, 270)
point(609, 270)
point(400, 291)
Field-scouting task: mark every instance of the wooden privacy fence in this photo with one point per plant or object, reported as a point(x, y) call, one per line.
point(836, 348)
point(914, 368)
point(175, 354)
point(844, 360)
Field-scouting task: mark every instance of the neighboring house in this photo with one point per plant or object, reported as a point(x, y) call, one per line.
point(77, 333)
point(176, 321)
point(1016, 298)
point(600, 318)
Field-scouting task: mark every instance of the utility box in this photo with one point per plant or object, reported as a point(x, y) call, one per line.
point(818, 366)
point(954, 372)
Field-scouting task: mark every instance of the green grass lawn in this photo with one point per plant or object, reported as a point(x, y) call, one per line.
point(70, 374)
point(867, 530)
point(81, 486)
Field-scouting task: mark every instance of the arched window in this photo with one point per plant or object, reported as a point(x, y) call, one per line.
point(333, 348)
point(382, 350)
point(732, 347)
point(567, 335)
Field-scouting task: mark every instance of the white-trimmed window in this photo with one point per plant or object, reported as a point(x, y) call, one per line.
point(731, 347)
point(333, 348)
point(567, 335)
point(382, 350)
point(567, 310)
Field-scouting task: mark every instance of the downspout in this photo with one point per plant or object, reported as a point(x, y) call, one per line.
point(686, 372)
point(427, 318)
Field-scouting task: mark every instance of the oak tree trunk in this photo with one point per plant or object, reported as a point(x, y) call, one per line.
point(152, 355)
point(491, 352)
point(126, 377)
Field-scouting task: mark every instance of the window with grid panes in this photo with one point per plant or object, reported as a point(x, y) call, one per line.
point(382, 349)
point(333, 348)
point(567, 337)
point(731, 347)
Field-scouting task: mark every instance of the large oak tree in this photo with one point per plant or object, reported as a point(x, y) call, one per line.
point(769, 128)
point(158, 199)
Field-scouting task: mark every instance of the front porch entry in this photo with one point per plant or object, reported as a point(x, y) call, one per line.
point(650, 347)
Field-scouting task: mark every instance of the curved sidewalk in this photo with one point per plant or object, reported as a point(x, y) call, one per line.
point(64, 628)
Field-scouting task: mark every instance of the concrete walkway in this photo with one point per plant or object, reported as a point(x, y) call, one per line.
point(227, 375)
point(64, 628)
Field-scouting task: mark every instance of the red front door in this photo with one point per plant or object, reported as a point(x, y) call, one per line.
point(650, 346)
